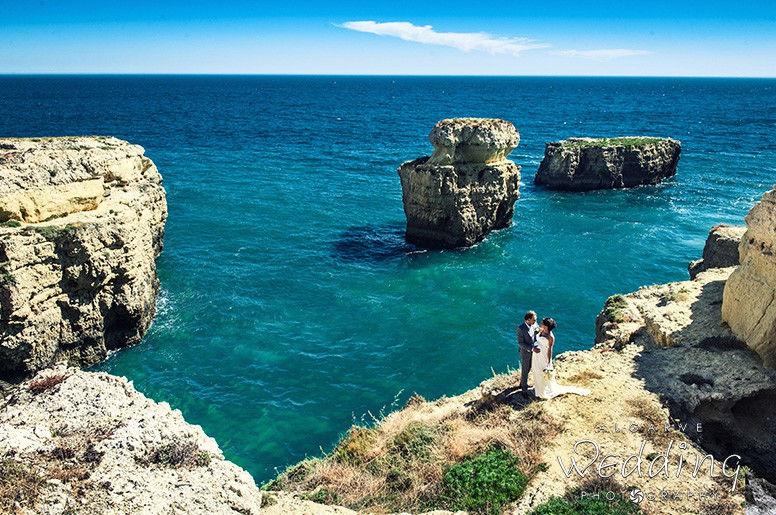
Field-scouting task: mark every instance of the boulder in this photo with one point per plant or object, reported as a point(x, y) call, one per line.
point(749, 303)
point(466, 188)
point(721, 249)
point(582, 164)
point(81, 224)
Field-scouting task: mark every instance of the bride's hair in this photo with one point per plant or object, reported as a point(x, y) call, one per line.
point(550, 323)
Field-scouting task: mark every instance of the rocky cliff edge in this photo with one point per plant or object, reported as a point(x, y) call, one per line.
point(81, 442)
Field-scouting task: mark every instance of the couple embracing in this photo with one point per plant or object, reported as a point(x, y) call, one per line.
point(535, 344)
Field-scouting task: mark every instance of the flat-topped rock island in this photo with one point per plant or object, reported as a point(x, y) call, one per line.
point(583, 164)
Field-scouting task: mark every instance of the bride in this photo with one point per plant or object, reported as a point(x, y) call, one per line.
point(545, 386)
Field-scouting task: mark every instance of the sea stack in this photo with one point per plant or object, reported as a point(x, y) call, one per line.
point(81, 224)
point(749, 302)
point(583, 164)
point(466, 188)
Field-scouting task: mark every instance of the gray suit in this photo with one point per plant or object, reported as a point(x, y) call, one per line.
point(525, 340)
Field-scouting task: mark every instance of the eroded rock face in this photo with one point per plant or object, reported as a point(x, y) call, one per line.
point(466, 188)
point(115, 450)
point(83, 282)
point(695, 362)
point(582, 164)
point(749, 304)
point(721, 249)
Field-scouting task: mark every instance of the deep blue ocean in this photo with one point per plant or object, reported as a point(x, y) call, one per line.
point(290, 304)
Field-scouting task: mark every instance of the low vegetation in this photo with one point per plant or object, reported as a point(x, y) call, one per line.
point(26, 481)
point(46, 383)
point(55, 216)
point(177, 454)
point(484, 483)
point(430, 455)
point(614, 308)
point(20, 486)
point(53, 232)
point(598, 496)
point(574, 504)
point(7, 277)
point(627, 142)
point(679, 295)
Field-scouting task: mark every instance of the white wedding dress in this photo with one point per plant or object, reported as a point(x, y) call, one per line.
point(545, 386)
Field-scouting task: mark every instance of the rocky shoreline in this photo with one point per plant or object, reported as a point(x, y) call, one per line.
point(78, 248)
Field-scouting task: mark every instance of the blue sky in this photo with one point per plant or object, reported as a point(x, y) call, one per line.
point(656, 38)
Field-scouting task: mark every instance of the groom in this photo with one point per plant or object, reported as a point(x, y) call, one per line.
point(526, 340)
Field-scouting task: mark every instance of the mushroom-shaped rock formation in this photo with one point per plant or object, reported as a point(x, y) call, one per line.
point(467, 187)
point(583, 164)
point(749, 303)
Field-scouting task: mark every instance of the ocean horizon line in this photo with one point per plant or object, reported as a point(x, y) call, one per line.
point(362, 75)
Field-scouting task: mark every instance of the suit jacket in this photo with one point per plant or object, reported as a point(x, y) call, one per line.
point(525, 337)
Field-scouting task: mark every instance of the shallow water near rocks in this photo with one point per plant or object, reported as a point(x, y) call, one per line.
point(291, 305)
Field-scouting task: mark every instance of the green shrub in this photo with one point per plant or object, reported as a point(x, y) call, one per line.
point(54, 217)
point(11, 223)
point(52, 232)
point(322, 496)
point(415, 440)
point(614, 308)
point(354, 447)
point(679, 295)
point(7, 277)
point(574, 504)
point(484, 483)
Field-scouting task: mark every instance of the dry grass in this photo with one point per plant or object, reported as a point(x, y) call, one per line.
point(71, 461)
point(20, 486)
point(46, 383)
point(653, 415)
point(585, 378)
point(400, 463)
point(178, 453)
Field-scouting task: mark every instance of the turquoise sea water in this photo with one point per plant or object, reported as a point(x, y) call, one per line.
point(290, 305)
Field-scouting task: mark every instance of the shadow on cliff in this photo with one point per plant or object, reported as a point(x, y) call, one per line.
point(711, 378)
point(372, 243)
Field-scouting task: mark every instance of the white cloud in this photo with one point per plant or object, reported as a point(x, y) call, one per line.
point(601, 55)
point(465, 41)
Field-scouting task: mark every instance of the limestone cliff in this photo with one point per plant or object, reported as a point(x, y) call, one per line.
point(582, 164)
point(721, 249)
point(749, 304)
point(81, 223)
point(694, 361)
point(81, 442)
point(466, 188)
